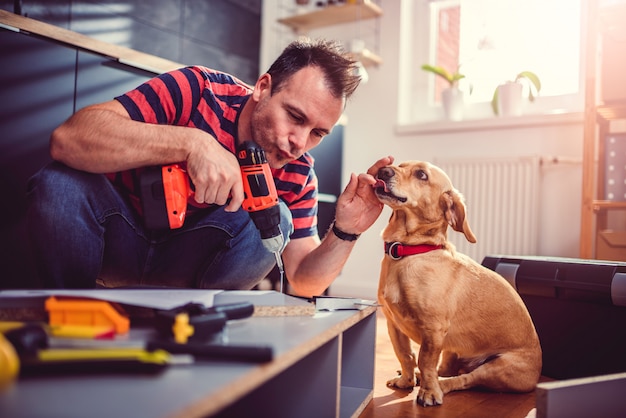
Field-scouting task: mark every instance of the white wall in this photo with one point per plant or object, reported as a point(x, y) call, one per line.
point(371, 133)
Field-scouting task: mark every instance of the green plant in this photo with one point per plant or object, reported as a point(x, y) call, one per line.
point(451, 77)
point(531, 77)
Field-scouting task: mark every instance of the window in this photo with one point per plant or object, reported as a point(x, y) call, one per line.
point(491, 41)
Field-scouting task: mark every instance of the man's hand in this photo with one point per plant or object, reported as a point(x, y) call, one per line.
point(358, 207)
point(216, 175)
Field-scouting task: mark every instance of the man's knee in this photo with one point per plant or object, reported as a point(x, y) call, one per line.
point(57, 184)
point(245, 261)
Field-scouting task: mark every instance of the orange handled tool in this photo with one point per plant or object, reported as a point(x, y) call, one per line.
point(177, 191)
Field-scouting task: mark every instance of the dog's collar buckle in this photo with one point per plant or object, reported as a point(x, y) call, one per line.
point(397, 250)
point(391, 249)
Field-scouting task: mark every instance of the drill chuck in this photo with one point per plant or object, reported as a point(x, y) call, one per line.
point(274, 243)
point(267, 222)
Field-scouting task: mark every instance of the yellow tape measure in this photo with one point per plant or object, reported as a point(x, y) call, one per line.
point(9, 362)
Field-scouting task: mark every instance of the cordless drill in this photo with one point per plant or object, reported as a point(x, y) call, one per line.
point(165, 191)
point(260, 197)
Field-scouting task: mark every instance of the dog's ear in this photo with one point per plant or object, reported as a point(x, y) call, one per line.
point(454, 210)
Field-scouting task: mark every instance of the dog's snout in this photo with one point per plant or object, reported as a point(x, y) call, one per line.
point(386, 173)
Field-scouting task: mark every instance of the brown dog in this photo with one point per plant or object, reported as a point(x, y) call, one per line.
point(472, 327)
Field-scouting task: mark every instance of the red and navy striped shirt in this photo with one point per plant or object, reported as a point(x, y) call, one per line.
point(210, 100)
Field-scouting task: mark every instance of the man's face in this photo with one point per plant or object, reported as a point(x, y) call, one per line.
point(294, 119)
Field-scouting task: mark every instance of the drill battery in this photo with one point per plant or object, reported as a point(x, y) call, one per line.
point(164, 191)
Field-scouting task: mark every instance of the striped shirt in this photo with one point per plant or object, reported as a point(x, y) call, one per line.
point(211, 101)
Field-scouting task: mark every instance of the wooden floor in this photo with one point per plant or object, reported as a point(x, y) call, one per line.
point(397, 403)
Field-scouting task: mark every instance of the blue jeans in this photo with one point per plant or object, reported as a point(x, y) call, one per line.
point(83, 231)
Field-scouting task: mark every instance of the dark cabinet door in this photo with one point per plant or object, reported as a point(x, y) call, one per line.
point(36, 95)
point(43, 83)
point(328, 165)
point(100, 79)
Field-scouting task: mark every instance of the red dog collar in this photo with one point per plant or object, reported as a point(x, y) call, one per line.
point(396, 250)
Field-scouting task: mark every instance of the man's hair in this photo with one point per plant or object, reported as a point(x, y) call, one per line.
point(340, 71)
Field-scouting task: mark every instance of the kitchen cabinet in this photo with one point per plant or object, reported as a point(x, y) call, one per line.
point(47, 74)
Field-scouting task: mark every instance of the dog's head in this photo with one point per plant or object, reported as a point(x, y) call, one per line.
point(423, 199)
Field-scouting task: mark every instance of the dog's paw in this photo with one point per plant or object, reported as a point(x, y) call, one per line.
point(402, 382)
point(429, 397)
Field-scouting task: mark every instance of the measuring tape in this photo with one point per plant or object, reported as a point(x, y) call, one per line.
point(9, 362)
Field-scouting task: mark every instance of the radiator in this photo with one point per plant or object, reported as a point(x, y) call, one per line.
point(502, 199)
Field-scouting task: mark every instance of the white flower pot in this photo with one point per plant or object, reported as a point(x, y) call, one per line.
point(453, 104)
point(510, 99)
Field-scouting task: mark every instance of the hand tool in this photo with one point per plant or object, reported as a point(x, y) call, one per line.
point(243, 353)
point(65, 331)
point(33, 357)
point(65, 311)
point(261, 199)
point(165, 191)
point(9, 363)
point(188, 328)
point(196, 322)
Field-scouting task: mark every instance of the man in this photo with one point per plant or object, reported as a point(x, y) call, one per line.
point(85, 215)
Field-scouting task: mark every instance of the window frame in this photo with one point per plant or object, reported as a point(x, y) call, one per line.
point(416, 17)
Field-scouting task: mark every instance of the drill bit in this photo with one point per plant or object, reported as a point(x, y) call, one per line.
point(281, 269)
point(274, 245)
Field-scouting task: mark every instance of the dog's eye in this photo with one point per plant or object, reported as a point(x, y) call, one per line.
point(421, 174)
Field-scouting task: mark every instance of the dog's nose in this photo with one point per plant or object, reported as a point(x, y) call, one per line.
point(385, 173)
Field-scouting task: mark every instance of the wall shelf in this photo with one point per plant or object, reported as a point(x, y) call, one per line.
point(599, 205)
point(332, 15)
point(367, 58)
point(607, 113)
point(335, 15)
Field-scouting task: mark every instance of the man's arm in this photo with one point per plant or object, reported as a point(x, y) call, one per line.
point(103, 138)
point(312, 266)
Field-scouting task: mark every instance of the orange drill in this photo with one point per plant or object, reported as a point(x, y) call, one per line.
point(165, 191)
point(260, 197)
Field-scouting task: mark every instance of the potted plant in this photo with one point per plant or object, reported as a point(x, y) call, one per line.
point(451, 97)
point(507, 98)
